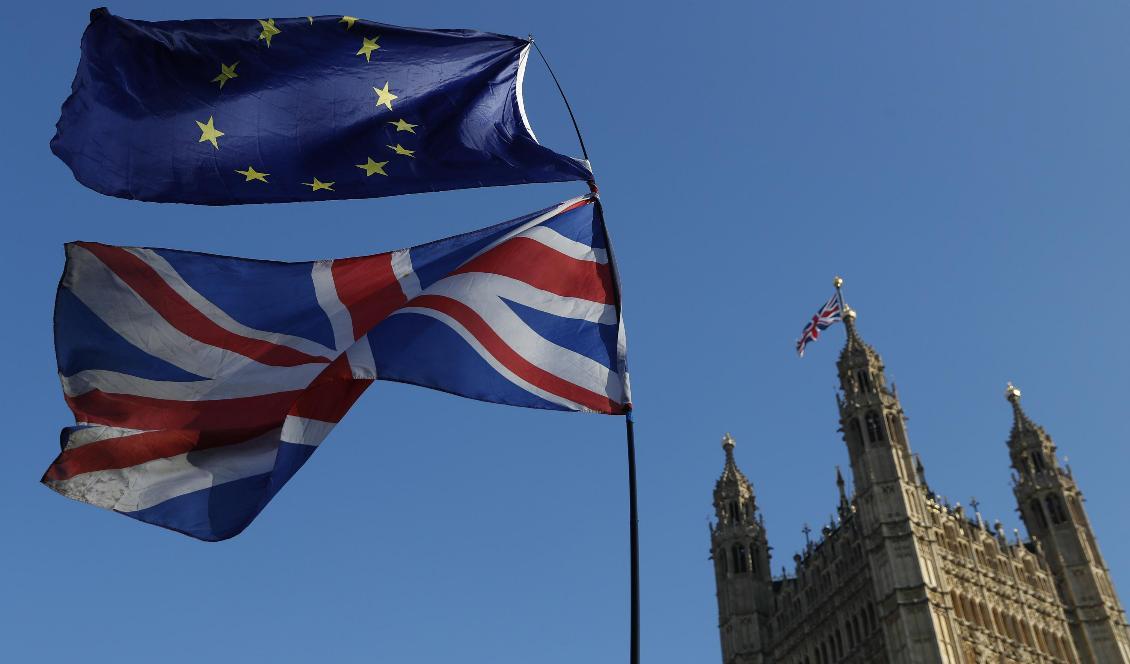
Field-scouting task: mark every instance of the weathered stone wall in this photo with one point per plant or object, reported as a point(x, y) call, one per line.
point(826, 612)
point(1002, 595)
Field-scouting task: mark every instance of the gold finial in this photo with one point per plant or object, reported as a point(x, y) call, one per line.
point(837, 282)
point(1012, 393)
point(728, 442)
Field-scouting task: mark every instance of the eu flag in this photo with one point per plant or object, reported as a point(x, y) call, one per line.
point(273, 110)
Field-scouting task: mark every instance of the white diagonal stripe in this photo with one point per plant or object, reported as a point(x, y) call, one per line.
point(567, 246)
point(234, 387)
point(490, 359)
point(94, 434)
point(545, 216)
point(482, 292)
point(217, 315)
point(497, 285)
point(147, 484)
point(130, 316)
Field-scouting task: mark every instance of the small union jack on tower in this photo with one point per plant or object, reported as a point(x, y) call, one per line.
point(831, 312)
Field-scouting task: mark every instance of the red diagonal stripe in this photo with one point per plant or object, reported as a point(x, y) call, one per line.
point(134, 412)
point(145, 281)
point(126, 451)
point(540, 266)
point(510, 358)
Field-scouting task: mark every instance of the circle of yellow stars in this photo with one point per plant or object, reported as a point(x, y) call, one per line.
point(209, 133)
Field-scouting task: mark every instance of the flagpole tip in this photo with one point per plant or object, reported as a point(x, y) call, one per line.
point(837, 282)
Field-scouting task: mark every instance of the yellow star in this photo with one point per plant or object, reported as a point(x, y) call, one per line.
point(384, 96)
point(368, 46)
point(227, 73)
point(252, 174)
point(348, 21)
point(402, 125)
point(371, 167)
point(400, 149)
point(318, 184)
point(269, 30)
point(208, 132)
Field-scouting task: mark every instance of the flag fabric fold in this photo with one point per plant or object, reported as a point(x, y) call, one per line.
point(200, 384)
point(233, 111)
point(831, 312)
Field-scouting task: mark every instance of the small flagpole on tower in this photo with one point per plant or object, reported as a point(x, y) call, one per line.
point(838, 282)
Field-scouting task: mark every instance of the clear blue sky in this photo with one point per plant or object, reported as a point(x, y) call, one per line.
point(964, 168)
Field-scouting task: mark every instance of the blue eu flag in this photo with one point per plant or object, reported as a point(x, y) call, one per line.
point(271, 110)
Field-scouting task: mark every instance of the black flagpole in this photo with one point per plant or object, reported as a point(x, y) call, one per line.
point(629, 424)
point(634, 535)
point(568, 106)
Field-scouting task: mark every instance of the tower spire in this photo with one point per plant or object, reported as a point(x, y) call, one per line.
point(732, 477)
point(1020, 420)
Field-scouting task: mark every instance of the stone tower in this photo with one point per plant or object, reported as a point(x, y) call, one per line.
point(1051, 507)
point(889, 496)
point(740, 551)
point(903, 577)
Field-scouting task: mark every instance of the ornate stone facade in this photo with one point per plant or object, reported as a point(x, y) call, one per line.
point(901, 576)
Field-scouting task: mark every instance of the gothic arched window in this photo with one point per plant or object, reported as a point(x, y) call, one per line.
point(1055, 509)
point(1076, 508)
point(721, 555)
point(986, 618)
point(1038, 460)
point(735, 515)
point(740, 559)
point(1038, 513)
point(894, 427)
point(1062, 646)
point(857, 431)
point(874, 428)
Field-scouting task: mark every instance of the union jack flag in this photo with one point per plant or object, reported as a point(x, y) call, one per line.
point(831, 312)
point(200, 384)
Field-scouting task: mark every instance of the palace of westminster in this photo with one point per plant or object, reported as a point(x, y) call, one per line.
point(901, 576)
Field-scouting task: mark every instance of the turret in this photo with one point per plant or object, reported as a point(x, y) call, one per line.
point(1051, 506)
point(844, 506)
point(740, 552)
point(890, 495)
point(871, 417)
